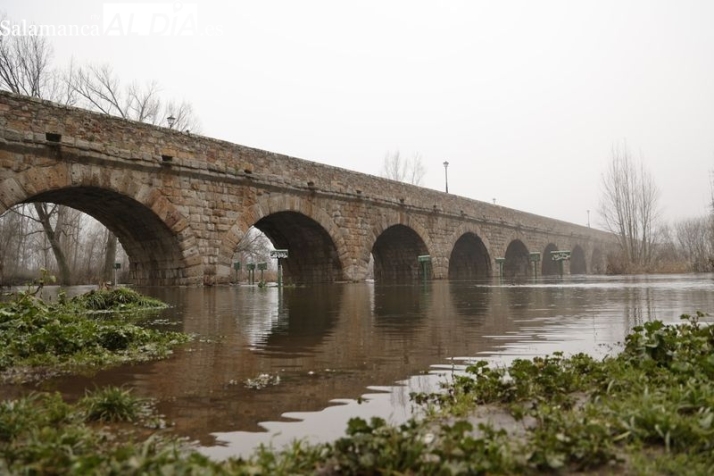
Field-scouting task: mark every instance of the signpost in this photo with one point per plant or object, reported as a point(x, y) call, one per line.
point(251, 272)
point(500, 262)
point(279, 254)
point(424, 262)
point(559, 256)
point(117, 266)
point(534, 258)
point(262, 267)
point(236, 267)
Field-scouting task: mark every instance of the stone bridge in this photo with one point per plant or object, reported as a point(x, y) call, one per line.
point(180, 204)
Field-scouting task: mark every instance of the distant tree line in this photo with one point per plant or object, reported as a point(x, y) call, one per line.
point(630, 209)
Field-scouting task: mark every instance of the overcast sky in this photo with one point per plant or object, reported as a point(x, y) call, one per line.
point(524, 99)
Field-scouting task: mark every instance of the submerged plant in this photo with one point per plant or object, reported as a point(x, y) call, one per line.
point(117, 299)
point(262, 381)
point(62, 336)
point(112, 404)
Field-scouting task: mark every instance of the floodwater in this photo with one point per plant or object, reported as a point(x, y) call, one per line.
point(333, 352)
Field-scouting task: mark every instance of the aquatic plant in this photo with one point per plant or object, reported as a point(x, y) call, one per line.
point(117, 299)
point(262, 381)
point(38, 338)
point(647, 410)
point(112, 404)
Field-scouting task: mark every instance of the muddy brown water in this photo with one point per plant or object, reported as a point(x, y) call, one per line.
point(328, 353)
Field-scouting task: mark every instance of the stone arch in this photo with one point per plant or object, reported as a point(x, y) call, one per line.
point(597, 262)
point(317, 248)
point(469, 257)
point(422, 245)
point(548, 266)
point(161, 246)
point(578, 265)
point(517, 260)
point(395, 253)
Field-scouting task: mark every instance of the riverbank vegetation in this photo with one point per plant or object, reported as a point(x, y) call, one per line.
point(40, 339)
point(647, 410)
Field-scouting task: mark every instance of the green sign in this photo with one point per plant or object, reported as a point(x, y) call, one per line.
point(262, 266)
point(279, 254)
point(117, 265)
point(424, 258)
point(534, 256)
point(560, 255)
point(250, 266)
point(236, 265)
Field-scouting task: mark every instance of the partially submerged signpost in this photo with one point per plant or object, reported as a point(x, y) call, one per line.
point(236, 267)
point(262, 267)
point(279, 254)
point(534, 258)
point(560, 256)
point(424, 264)
point(500, 262)
point(251, 272)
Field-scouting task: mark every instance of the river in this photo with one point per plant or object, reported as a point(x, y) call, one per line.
point(328, 353)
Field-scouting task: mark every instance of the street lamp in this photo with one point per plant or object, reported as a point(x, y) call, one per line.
point(588, 218)
point(446, 175)
point(171, 119)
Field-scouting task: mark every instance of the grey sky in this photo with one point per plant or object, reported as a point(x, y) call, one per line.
point(523, 98)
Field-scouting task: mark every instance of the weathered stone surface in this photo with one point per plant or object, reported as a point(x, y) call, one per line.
point(180, 205)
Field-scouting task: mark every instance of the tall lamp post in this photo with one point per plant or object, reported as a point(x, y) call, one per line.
point(446, 175)
point(171, 120)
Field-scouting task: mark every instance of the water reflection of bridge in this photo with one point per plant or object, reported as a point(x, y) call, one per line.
point(325, 343)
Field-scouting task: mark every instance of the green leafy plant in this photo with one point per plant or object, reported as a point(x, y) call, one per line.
point(112, 404)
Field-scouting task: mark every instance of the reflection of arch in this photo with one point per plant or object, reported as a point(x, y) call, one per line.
point(471, 301)
point(597, 262)
point(308, 315)
point(395, 254)
point(314, 242)
point(516, 263)
point(161, 246)
point(519, 297)
point(577, 261)
point(548, 266)
point(469, 258)
point(400, 307)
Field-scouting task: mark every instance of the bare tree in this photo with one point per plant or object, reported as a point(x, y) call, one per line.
point(409, 170)
point(629, 206)
point(694, 236)
point(255, 247)
point(98, 88)
point(25, 68)
point(25, 63)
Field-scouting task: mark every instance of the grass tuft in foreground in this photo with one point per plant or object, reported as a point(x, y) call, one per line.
point(40, 339)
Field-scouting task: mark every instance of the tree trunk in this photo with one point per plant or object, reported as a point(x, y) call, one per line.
point(110, 257)
point(44, 216)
